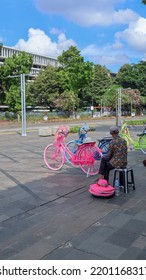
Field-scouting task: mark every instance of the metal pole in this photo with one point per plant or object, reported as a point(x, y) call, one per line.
point(92, 107)
point(101, 109)
point(23, 106)
point(119, 107)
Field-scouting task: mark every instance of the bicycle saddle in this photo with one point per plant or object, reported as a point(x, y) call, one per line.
point(105, 139)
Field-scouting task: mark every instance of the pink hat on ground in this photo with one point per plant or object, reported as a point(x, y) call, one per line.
point(101, 188)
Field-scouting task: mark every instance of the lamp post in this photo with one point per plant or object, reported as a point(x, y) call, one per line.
point(118, 111)
point(23, 105)
point(101, 109)
point(92, 107)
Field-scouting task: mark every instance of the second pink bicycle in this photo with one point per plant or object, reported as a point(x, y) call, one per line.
point(87, 155)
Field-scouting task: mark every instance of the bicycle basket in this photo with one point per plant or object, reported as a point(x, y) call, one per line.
point(84, 129)
point(63, 130)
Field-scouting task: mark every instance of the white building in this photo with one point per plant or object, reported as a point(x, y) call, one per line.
point(39, 61)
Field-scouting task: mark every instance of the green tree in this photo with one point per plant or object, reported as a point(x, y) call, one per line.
point(13, 66)
point(126, 77)
point(50, 88)
point(101, 83)
point(79, 73)
point(67, 58)
point(45, 87)
point(110, 97)
point(13, 99)
point(133, 76)
point(144, 2)
point(66, 101)
point(140, 70)
point(131, 98)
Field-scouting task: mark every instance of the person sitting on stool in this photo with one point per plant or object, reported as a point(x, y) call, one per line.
point(117, 154)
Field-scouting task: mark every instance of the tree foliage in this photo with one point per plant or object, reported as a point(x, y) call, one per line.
point(13, 66)
point(13, 99)
point(66, 101)
point(49, 89)
point(101, 83)
point(133, 76)
point(75, 83)
point(110, 97)
point(45, 87)
point(79, 73)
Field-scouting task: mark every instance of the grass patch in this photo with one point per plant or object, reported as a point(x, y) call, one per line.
point(75, 129)
point(136, 122)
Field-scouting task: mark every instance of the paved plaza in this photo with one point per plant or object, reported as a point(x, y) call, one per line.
point(47, 215)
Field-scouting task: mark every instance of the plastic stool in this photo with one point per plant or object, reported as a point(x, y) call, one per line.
point(123, 174)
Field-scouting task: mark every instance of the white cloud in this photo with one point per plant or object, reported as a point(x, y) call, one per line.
point(129, 44)
point(55, 31)
point(108, 55)
point(85, 13)
point(113, 60)
point(100, 13)
point(135, 35)
point(38, 42)
point(124, 16)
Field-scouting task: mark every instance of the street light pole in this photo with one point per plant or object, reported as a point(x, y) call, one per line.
point(23, 105)
point(92, 107)
point(101, 109)
point(118, 117)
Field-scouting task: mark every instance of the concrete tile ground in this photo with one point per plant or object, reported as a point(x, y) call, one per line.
point(51, 215)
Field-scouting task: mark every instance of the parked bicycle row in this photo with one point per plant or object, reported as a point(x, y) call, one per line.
point(83, 151)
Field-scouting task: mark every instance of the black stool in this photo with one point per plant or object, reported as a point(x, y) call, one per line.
point(123, 174)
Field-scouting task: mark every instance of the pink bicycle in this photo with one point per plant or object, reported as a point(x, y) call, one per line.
point(87, 155)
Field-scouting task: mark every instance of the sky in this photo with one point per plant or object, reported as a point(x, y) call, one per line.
point(107, 32)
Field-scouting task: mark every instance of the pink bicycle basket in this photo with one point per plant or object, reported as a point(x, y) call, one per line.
point(62, 130)
point(102, 188)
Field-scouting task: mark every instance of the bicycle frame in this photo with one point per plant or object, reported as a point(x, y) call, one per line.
point(62, 145)
point(125, 133)
point(74, 157)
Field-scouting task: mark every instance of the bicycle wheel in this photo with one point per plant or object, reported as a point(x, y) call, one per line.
point(72, 146)
point(142, 143)
point(53, 157)
point(89, 160)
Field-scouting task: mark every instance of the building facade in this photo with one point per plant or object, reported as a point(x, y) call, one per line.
point(39, 61)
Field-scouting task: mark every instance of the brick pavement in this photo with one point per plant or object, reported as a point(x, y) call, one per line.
point(51, 215)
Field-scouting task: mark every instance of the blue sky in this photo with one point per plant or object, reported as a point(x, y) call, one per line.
point(107, 32)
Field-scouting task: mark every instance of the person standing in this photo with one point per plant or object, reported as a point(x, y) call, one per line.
point(117, 154)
